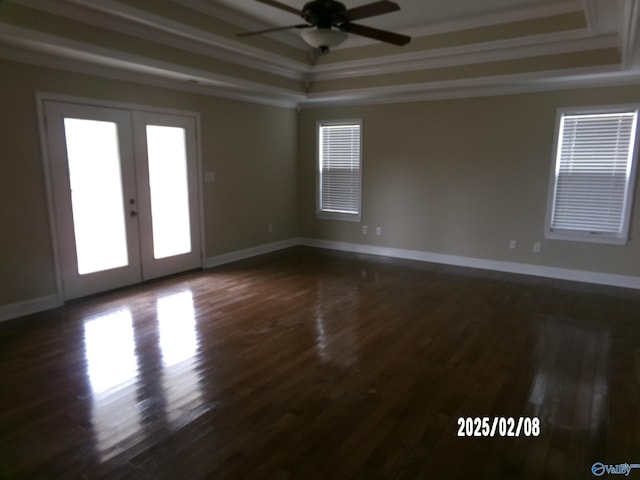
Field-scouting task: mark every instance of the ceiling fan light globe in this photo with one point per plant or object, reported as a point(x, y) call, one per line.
point(324, 38)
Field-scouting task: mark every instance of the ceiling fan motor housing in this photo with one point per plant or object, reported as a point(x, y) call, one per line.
point(324, 13)
point(329, 22)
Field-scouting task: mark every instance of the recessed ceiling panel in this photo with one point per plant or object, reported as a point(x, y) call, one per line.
point(413, 13)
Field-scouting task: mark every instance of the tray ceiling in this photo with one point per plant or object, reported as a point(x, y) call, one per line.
point(461, 48)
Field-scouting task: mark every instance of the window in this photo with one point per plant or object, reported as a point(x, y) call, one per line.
point(592, 181)
point(339, 170)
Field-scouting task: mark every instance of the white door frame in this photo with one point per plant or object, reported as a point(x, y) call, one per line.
point(40, 98)
point(151, 267)
point(75, 284)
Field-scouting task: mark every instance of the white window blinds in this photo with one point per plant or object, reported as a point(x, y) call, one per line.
point(593, 170)
point(339, 169)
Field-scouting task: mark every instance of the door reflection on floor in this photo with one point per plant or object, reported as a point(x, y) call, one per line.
point(179, 346)
point(120, 389)
point(112, 368)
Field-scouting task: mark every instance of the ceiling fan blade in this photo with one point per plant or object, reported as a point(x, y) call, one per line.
point(372, 9)
point(376, 34)
point(269, 30)
point(281, 6)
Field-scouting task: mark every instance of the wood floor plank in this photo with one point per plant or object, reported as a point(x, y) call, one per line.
point(312, 364)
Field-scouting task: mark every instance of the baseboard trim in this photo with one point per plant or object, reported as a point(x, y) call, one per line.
point(27, 307)
point(608, 279)
point(249, 252)
point(35, 305)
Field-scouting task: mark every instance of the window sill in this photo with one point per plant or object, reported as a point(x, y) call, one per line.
point(345, 217)
point(586, 237)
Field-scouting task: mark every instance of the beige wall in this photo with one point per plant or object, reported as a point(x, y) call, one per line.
point(459, 177)
point(462, 177)
point(251, 148)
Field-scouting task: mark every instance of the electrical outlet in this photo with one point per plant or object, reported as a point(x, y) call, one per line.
point(378, 230)
point(209, 177)
point(270, 227)
point(365, 229)
point(513, 244)
point(537, 247)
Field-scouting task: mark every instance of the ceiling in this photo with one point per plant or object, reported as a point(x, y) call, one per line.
point(458, 48)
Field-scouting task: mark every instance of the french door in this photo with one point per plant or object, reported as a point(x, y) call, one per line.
point(124, 187)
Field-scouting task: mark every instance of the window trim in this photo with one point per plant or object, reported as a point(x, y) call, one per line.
point(323, 214)
point(584, 236)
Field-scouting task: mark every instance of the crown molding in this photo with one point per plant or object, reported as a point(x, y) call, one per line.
point(242, 21)
point(30, 46)
point(71, 51)
point(138, 23)
point(135, 15)
point(522, 47)
point(499, 85)
point(69, 65)
point(629, 32)
point(604, 16)
point(539, 11)
point(566, 79)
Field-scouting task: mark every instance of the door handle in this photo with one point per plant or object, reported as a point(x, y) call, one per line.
point(133, 213)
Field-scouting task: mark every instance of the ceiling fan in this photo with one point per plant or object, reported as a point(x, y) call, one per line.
point(333, 22)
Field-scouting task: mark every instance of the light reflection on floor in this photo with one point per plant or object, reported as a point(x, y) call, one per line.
point(114, 372)
point(560, 345)
point(334, 343)
point(179, 344)
point(112, 368)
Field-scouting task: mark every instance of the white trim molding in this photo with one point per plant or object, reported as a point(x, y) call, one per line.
point(86, 53)
point(249, 252)
point(191, 85)
point(629, 34)
point(27, 307)
point(599, 278)
point(285, 76)
point(35, 305)
point(498, 50)
point(136, 22)
point(577, 78)
point(559, 7)
point(214, 10)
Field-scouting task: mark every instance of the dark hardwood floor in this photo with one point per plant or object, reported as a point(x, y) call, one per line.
point(309, 364)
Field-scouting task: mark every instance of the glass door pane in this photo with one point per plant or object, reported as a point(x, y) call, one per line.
point(96, 194)
point(169, 191)
point(93, 197)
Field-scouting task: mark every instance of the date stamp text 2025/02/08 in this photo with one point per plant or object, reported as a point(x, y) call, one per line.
point(526, 427)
